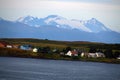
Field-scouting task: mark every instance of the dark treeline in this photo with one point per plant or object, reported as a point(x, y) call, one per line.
point(109, 53)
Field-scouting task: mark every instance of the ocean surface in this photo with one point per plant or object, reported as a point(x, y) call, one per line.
point(38, 69)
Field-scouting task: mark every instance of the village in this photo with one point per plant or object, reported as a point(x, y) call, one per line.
point(68, 52)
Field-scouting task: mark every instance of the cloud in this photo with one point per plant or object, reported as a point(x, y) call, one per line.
point(58, 4)
point(107, 11)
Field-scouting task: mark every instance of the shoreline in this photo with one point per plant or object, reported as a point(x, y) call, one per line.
point(7, 52)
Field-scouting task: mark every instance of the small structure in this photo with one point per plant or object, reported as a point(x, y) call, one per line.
point(92, 55)
point(26, 47)
point(15, 46)
point(54, 50)
point(72, 53)
point(84, 54)
point(35, 50)
point(99, 54)
point(62, 53)
point(118, 57)
point(9, 46)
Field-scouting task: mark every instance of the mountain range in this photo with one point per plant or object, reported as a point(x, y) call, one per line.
point(55, 27)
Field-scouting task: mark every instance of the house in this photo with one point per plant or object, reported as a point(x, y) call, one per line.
point(72, 53)
point(26, 47)
point(118, 57)
point(9, 46)
point(15, 46)
point(3, 44)
point(84, 54)
point(35, 50)
point(54, 50)
point(99, 54)
point(92, 55)
point(62, 53)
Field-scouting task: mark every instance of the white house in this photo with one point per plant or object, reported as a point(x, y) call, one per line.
point(99, 54)
point(92, 55)
point(26, 47)
point(9, 46)
point(62, 53)
point(84, 54)
point(118, 57)
point(69, 53)
point(35, 50)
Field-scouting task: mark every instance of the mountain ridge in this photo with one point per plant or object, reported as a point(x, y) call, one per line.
point(38, 28)
point(62, 22)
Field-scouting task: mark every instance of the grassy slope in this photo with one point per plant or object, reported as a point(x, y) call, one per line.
point(61, 44)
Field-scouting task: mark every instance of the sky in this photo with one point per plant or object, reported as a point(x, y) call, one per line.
point(106, 11)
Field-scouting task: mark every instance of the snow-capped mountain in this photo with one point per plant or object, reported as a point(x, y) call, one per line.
point(91, 25)
point(31, 21)
point(55, 27)
point(95, 25)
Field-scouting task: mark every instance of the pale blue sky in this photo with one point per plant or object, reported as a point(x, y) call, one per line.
point(106, 11)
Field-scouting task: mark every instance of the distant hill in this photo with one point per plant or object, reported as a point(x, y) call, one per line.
point(54, 27)
point(60, 44)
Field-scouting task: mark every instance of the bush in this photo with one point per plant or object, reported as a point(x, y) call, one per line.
point(14, 52)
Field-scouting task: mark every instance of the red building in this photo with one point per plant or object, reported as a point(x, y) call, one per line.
point(3, 44)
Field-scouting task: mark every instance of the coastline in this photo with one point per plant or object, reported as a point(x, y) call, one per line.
point(8, 52)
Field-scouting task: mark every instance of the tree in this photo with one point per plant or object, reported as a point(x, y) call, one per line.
point(92, 50)
point(100, 50)
point(46, 49)
point(116, 54)
point(39, 50)
point(109, 53)
point(67, 49)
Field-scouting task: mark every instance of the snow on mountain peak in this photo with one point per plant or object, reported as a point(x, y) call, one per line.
point(73, 24)
point(92, 21)
point(65, 23)
point(95, 25)
point(25, 19)
point(52, 18)
point(92, 25)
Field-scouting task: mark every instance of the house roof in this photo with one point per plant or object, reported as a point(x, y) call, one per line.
point(3, 43)
point(74, 52)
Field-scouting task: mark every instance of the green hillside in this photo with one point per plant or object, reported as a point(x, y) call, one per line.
point(60, 44)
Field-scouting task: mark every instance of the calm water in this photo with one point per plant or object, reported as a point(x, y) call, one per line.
point(37, 69)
